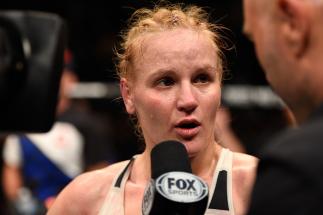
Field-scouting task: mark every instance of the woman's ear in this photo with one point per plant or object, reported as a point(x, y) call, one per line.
point(127, 95)
point(296, 25)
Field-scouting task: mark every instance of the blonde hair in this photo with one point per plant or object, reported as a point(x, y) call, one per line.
point(163, 18)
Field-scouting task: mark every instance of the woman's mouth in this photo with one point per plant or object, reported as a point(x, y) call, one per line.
point(187, 129)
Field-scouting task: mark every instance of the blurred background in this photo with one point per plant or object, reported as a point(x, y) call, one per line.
point(252, 113)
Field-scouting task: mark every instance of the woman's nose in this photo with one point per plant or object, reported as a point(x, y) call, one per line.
point(187, 101)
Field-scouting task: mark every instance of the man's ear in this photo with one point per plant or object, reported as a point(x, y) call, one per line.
point(127, 95)
point(295, 25)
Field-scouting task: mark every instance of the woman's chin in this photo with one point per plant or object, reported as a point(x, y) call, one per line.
point(192, 151)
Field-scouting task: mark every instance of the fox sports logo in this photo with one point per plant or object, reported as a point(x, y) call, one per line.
point(181, 187)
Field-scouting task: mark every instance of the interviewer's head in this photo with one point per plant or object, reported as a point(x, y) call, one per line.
point(288, 38)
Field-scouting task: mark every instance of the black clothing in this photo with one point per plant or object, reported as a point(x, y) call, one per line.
point(290, 172)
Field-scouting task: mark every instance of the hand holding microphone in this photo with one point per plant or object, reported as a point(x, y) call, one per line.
point(173, 189)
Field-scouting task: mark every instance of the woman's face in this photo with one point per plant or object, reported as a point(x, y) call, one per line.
point(175, 91)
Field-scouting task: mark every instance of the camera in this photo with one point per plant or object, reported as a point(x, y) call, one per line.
point(32, 44)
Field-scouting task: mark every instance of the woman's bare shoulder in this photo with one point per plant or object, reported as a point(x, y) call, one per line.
point(98, 179)
point(244, 169)
point(87, 190)
point(243, 176)
point(244, 162)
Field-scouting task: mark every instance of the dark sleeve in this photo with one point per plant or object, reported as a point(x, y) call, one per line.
point(282, 188)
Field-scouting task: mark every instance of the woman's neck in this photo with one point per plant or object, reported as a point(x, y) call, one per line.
point(141, 169)
point(204, 163)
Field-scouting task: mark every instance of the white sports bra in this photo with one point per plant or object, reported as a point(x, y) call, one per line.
point(220, 201)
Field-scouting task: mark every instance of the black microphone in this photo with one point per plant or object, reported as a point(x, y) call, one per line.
point(173, 189)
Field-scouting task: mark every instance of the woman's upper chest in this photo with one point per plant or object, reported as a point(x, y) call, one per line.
point(134, 194)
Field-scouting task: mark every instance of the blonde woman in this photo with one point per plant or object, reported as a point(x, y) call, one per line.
point(170, 70)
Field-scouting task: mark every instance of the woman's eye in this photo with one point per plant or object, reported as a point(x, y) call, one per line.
point(202, 78)
point(165, 82)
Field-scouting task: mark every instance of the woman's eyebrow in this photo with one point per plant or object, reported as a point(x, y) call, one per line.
point(206, 68)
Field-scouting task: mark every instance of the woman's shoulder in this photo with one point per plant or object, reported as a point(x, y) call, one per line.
point(243, 177)
point(244, 162)
point(87, 190)
point(244, 168)
point(98, 178)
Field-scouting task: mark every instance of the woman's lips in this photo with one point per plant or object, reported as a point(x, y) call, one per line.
point(187, 128)
point(187, 133)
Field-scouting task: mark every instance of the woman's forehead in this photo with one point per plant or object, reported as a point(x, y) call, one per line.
point(168, 42)
point(158, 50)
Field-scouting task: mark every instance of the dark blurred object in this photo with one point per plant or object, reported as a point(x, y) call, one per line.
point(256, 115)
point(31, 59)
